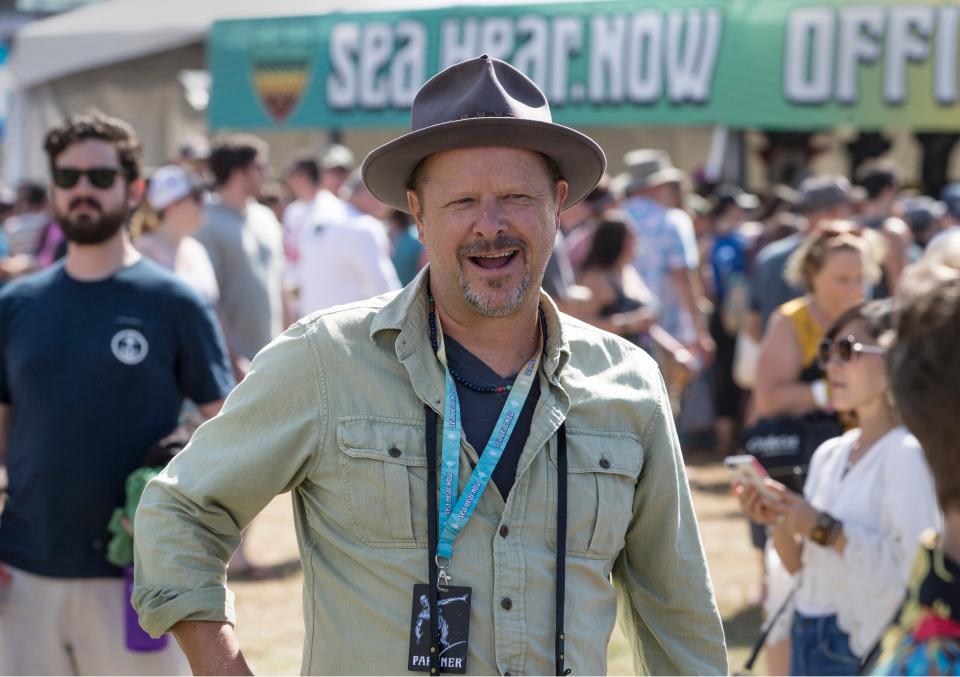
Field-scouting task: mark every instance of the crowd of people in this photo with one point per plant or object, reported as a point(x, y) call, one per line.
point(770, 317)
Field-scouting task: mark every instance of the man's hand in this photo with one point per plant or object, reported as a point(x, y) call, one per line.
point(211, 647)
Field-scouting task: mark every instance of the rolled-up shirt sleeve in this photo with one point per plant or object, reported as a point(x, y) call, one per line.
point(265, 441)
point(668, 610)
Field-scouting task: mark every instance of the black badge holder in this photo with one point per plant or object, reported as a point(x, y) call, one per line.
point(561, 582)
point(432, 537)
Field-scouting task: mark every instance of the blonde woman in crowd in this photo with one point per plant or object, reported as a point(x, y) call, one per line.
point(835, 266)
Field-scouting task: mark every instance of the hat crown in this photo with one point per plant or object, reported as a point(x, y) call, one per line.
point(646, 161)
point(823, 192)
point(337, 156)
point(478, 88)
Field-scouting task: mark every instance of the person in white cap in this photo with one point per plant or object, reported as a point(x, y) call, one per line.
point(173, 213)
point(336, 163)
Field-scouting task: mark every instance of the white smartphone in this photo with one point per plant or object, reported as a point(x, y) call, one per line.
point(747, 470)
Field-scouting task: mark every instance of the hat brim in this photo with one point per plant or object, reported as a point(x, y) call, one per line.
point(580, 159)
point(627, 183)
point(668, 175)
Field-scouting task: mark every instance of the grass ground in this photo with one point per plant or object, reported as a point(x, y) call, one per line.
point(270, 612)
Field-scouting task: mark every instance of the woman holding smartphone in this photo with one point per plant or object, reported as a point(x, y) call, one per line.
point(851, 536)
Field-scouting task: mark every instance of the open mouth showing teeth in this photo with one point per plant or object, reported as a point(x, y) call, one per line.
point(494, 261)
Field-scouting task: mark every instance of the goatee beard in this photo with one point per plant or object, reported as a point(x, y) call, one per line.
point(91, 230)
point(480, 299)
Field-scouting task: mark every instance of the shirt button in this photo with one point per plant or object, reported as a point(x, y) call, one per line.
point(506, 603)
point(504, 531)
point(393, 451)
point(604, 463)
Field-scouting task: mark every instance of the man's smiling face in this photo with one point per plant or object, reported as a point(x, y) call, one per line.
point(488, 218)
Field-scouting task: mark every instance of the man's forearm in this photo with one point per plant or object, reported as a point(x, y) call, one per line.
point(211, 647)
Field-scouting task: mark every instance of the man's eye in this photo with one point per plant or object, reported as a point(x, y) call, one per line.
point(461, 201)
point(518, 196)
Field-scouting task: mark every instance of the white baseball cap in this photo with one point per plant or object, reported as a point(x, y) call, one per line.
point(169, 184)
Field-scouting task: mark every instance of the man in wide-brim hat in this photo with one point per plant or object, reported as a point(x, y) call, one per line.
point(457, 451)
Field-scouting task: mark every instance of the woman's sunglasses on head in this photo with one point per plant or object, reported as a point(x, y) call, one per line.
point(844, 349)
point(99, 177)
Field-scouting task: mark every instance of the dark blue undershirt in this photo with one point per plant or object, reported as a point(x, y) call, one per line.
point(480, 411)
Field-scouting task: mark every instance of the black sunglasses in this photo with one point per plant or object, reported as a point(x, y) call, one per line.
point(100, 177)
point(844, 349)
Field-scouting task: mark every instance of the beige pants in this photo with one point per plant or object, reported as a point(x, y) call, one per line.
point(73, 626)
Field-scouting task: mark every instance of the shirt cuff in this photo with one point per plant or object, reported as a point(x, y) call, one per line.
point(160, 610)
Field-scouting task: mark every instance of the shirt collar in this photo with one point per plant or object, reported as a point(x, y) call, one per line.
point(407, 314)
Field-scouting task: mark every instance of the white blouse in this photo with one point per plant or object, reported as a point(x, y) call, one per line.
point(885, 502)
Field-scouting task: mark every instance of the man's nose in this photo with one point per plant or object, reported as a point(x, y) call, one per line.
point(491, 220)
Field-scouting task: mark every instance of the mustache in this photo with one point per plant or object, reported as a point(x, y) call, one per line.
point(88, 201)
point(499, 243)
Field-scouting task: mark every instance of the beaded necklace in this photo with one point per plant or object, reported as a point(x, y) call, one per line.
point(456, 375)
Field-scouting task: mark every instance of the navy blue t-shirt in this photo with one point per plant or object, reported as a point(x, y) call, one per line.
point(94, 373)
point(480, 411)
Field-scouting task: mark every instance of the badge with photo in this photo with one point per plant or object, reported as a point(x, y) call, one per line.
point(453, 610)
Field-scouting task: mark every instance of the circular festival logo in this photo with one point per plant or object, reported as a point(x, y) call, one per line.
point(129, 346)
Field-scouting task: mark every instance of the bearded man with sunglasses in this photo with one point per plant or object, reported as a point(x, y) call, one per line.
point(97, 353)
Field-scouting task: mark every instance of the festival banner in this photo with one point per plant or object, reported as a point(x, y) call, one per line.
point(773, 64)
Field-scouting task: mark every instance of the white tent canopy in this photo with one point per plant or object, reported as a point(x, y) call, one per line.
point(120, 30)
point(124, 56)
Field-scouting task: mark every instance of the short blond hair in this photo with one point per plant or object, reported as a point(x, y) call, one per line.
point(804, 264)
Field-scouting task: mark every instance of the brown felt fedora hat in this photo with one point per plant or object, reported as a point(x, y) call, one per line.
point(476, 103)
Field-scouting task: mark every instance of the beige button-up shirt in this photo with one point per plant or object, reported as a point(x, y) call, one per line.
point(333, 411)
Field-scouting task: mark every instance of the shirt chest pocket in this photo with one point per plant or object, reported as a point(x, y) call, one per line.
point(383, 466)
point(602, 472)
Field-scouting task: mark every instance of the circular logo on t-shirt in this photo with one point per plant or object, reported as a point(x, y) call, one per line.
point(129, 346)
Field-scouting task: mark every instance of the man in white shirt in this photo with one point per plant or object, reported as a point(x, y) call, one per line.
point(342, 258)
point(312, 202)
point(366, 212)
point(336, 163)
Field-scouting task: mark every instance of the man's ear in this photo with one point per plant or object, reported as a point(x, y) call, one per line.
point(136, 192)
point(413, 202)
point(563, 188)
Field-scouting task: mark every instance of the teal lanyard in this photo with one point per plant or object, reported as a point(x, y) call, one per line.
point(454, 517)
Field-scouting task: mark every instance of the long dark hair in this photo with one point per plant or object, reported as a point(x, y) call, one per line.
point(609, 239)
point(876, 315)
